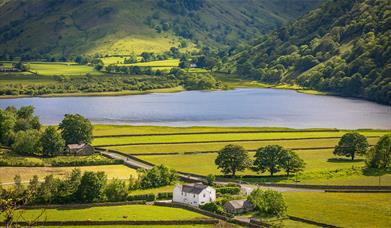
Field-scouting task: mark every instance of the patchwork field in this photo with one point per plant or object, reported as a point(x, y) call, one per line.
point(7, 174)
point(178, 148)
point(61, 68)
point(114, 213)
point(342, 209)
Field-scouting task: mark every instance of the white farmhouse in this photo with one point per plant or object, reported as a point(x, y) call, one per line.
point(194, 194)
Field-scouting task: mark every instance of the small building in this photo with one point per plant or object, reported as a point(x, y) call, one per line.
point(238, 206)
point(194, 194)
point(79, 149)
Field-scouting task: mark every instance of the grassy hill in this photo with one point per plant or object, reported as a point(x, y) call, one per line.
point(340, 47)
point(122, 27)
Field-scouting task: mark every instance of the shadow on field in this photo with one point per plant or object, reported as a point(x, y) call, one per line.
point(344, 160)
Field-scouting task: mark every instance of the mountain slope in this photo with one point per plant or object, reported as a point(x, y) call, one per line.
point(67, 27)
point(342, 46)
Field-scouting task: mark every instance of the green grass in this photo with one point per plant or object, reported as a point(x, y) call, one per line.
point(61, 68)
point(202, 147)
point(290, 223)
point(230, 136)
point(342, 209)
point(160, 63)
point(114, 213)
point(168, 188)
point(142, 226)
point(12, 159)
point(7, 174)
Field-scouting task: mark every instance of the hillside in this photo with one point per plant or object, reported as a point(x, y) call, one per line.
point(72, 27)
point(340, 47)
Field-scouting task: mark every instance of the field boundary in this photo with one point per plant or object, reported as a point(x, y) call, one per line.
point(128, 222)
point(298, 219)
point(214, 132)
point(221, 141)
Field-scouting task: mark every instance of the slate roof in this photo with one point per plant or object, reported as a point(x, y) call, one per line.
point(237, 204)
point(193, 188)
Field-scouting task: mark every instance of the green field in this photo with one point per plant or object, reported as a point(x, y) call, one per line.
point(342, 209)
point(143, 226)
point(7, 174)
point(114, 213)
point(61, 68)
point(160, 63)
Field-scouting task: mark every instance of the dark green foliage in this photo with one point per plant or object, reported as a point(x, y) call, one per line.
point(51, 142)
point(76, 129)
point(164, 195)
point(7, 124)
point(268, 203)
point(232, 158)
point(213, 207)
point(351, 144)
point(228, 190)
point(91, 188)
point(210, 179)
point(269, 158)
point(292, 163)
point(379, 156)
point(27, 142)
point(156, 177)
point(146, 197)
point(116, 190)
point(341, 47)
point(200, 82)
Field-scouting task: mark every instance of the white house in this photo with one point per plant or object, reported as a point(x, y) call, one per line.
point(194, 194)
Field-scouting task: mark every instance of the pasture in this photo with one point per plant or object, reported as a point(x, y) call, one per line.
point(7, 174)
point(114, 213)
point(178, 148)
point(61, 68)
point(341, 209)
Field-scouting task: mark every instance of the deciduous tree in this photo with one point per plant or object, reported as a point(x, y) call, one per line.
point(232, 158)
point(76, 129)
point(351, 144)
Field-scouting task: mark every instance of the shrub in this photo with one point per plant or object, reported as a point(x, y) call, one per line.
point(164, 195)
point(145, 197)
point(213, 207)
point(268, 203)
point(228, 190)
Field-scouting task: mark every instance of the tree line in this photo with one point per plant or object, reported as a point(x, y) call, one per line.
point(22, 131)
point(274, 158)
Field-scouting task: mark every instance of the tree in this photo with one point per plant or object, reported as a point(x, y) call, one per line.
point(76, 129)
point(291, 162)
point(210, 179)
point(116, 190)
point(27, 142)
point(232, 158)
point(91, 187)
point(269, 158)
point(51, 142)
point(156, 177)
point(268, 202)
point(7, 124)
point(379, 156)
point(351, 144)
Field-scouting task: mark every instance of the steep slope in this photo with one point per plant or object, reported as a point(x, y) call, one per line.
point(66, 27)
point(343, 47)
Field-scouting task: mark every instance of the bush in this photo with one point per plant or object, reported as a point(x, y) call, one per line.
point(268, 203)
point(164, 195)
point(145, 197)
point(228, 190)
point(213, 207)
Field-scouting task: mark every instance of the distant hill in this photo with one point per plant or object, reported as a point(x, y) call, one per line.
point(68, 27)
point(343, 47)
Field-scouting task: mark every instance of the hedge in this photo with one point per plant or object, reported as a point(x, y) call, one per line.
point(145, 197)
point(164, 195)
point(228, 190)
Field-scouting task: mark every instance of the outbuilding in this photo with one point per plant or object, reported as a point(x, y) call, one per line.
point(79, 149)
point(238, 206)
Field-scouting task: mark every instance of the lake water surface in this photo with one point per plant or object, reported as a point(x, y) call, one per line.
point(240, 107)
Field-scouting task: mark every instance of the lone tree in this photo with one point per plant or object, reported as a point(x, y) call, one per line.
point(76, 129)
point(268, 203)
point(379, 156)
point(269, 158)
point(51, 142)
point(232, 158)
point(292, 163)
point(351, 144)
point(91, 188)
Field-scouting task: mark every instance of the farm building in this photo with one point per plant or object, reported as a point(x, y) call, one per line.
point(194, 194)
point(79, 149)
point(238, 206)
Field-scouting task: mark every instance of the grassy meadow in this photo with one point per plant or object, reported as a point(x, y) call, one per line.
point(114, 213)
point(61, 68)
point(341, 209)
point(7, 174)
point(189, 144)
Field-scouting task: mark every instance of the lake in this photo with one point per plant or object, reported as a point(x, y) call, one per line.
point(240, 107)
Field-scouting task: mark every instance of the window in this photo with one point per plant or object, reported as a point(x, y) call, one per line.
point(204, 195)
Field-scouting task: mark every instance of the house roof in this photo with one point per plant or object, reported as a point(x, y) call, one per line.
point(76, 146)
point(193, 188)
point(237, 204)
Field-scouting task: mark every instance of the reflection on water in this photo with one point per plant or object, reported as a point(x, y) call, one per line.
point(241, 107)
